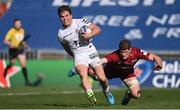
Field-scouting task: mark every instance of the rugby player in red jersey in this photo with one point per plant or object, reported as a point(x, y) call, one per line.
point(120, 64)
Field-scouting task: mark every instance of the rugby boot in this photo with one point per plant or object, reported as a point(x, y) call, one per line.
point(125, 100)
point(92, 98)
point(109, 98)
point(28, 83)
point(71, 73)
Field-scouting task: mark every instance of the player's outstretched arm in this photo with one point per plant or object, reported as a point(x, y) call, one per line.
point(157, 60)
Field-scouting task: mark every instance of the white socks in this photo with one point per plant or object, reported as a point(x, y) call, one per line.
point(106, 90)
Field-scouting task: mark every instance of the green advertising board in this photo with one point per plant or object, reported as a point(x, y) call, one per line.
point(54, 74)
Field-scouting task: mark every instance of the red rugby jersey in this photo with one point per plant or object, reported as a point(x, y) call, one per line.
point(135, 55)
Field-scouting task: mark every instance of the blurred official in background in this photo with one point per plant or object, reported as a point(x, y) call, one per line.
point(15, 41)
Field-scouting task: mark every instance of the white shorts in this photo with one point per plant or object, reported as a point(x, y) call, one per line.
point(131, 82)
point(87, 55)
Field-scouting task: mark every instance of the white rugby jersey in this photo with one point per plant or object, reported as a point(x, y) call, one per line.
point(70, 35)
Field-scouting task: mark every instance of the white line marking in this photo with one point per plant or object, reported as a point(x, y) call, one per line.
point(44, 93)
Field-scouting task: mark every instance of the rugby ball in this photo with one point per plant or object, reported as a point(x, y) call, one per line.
point(82, 30)
point(85, 29)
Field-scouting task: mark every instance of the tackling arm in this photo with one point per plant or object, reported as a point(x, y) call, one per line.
point(157, 60)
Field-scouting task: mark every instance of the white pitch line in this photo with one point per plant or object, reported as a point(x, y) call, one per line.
point(39, 93)
point(43, 93)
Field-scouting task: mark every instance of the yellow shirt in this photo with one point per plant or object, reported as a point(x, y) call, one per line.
point(15, 36)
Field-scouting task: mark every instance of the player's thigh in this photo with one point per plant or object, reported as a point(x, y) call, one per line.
point(22, 59)
point(135, 91)
point(82, 70)
point(80, 58)
point(95, 63)
point(132, 83)
point(93, 58)
point(13, 55)
point(99, 71)
point(81, 64)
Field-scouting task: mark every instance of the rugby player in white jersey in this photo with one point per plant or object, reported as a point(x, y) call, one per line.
point(83, 51)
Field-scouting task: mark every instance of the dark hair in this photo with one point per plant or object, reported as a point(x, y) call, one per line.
point(64, 8)
point(16, 19)
point(124, 44)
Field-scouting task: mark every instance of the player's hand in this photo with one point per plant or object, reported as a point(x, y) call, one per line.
point(12, 46)
point(26, 46)
point(157, 67)
point(86, 36)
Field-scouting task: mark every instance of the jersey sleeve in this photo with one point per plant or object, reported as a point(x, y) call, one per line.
point(142, 54)
point(9, 35)
point(83, 22)
point(60, 39)
point(112, 57)
point(64, 44)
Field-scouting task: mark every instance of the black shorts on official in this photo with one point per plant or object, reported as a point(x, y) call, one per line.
point(14, 52)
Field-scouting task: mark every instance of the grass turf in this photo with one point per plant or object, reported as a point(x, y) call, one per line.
point(58, 98)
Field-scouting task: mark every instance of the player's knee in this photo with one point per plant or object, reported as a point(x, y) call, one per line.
point(103, 79)
point(136, 95)
point(83, 76)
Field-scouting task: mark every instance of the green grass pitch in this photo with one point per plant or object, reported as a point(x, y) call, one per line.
point(58, 98)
